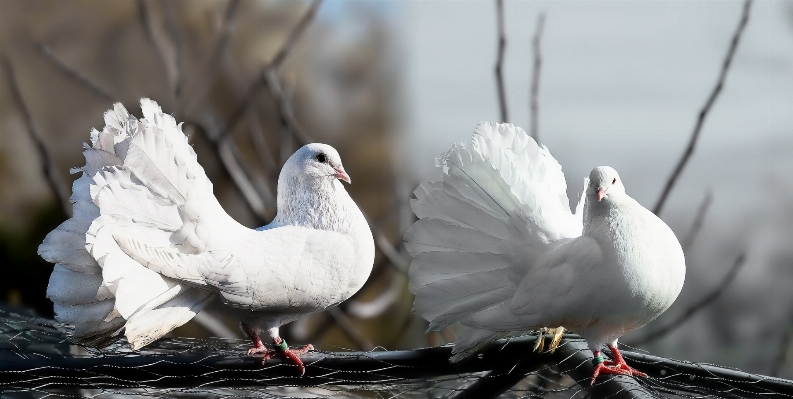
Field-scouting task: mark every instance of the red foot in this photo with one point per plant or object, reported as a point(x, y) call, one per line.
point(289, 355)
point(617, 366)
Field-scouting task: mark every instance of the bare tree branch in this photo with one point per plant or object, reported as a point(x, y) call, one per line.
point(696, 307)
point(377, 306)
point(295, 34)
point(269, 72)
point(783, 353)
point(58, 187)
point(285, 107)
point(212, 324)
point(74, 74)
point(535, 79)
point(699, 220)
point(230, 159)
point(349, 328)
point(178, 41)
point(703, 113)
point(502, 44)
point(165, 54)
point(202, 86)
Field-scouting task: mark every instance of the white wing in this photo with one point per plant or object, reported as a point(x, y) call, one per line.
point(501, 201)
point(141, 179)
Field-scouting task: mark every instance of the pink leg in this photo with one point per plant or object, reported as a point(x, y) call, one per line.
point(618, 366)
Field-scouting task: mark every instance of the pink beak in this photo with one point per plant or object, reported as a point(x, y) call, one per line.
point(342, 175)
point(601, 193)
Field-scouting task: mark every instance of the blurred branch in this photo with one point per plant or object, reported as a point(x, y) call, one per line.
point(295, 34)
point(502, 44)
point(699, 220)
point(782, 354)
point(703, 113)
point(349, 328)
point(377, 306)
point(214, 326)
point(178, 41)
point(390, 251)
point(166, 56)
point(74, 74)
point(535, 79)
point(277, 61)
point(285, 113)
point(230, 158)
point(58, 187)
point(696, 307)
point(198, 92)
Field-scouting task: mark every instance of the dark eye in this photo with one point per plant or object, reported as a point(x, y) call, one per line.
point(614, 181)
point(322, 158)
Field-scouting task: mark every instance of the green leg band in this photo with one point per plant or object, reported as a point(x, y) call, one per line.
point(597, 360)
point(282, 346)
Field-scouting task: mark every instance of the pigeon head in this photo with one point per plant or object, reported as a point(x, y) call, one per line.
point(605, 184)
point(317, 161)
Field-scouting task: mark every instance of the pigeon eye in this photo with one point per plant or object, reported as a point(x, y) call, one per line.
point(322, 158)
point(614, 181)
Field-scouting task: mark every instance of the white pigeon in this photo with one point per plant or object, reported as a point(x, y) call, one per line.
point(498, 250)
point(149, 245)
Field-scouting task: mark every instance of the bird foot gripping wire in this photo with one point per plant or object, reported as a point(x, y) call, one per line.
point(617, 366)
point(280, 347)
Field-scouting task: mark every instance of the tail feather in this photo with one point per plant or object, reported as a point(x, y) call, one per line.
point(502, 197)
point(139, 180)
point(473, 340)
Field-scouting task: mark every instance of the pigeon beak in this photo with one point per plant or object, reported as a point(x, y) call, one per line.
point(601, 193)
point(342, 175)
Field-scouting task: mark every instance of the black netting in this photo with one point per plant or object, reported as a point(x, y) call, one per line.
point(37, 361)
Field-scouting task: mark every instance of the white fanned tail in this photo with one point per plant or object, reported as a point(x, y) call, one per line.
point(502, 198)
point(141, 180)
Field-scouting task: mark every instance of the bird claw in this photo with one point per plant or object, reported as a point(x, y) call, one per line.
point(611, 367)
point(289, 355)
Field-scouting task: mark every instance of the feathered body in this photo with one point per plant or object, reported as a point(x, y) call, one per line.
point(497, 248)
point(149, 244)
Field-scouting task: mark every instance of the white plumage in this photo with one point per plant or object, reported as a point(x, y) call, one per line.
point(149, 245)
point(497, 248)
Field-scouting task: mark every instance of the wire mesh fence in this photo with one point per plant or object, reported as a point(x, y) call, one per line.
point(37, 361)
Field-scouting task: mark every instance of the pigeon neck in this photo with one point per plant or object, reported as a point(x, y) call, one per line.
point(317, 203)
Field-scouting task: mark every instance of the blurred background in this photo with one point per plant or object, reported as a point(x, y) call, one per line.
point(391, 85)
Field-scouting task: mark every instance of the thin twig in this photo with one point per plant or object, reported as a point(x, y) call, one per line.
point(699, 220)
point(229, 157)
point(388, 249)
point(280, 56)
point(285, 108)
point(295, 34)
point(783, 353)
point(198, 92)
point(178, 41)
point(57, 185)
point(378, 306)
point(535, 78)
point(166, 56)
point(502, 44)
point(213, 324)
point(349, 328)
point(701, 304)
point(703, 113)
point(74, 74)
